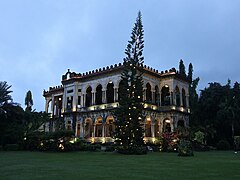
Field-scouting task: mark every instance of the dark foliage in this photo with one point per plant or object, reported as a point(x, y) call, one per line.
point(185, 148)
point(223, 145)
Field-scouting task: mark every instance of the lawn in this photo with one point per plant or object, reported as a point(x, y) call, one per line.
point(102, 165)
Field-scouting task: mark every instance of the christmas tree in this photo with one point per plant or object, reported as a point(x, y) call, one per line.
point(129, 115)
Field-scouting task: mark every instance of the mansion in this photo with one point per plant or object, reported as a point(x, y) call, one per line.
point(85, 102)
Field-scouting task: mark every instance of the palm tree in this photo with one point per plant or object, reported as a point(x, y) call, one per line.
point(5, 97)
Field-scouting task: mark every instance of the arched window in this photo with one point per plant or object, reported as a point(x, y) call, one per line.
point(148, 93)
point(110, 127)
point(167, 126)
point(98, 127)
point(99, 94)
point(157, 96)
point(184, 97)
point(88, 101)
point(165, 96)
point(148, 127)
point(177, 94)
point(88, 128)
point(110, 93)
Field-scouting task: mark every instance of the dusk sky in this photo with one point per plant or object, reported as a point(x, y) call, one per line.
point(41, 39)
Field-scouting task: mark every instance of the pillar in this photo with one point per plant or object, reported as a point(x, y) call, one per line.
point(104, 99)
point(94, 130)
point(153, 129)
point(181, 100)
point(103, 130)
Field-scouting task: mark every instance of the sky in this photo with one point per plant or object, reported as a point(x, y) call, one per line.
point(41, 39)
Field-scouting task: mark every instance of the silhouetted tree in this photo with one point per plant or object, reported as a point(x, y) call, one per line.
point(29, 101)
point(190, 71)
point(182, 70)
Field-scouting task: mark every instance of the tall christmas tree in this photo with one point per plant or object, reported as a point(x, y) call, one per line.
point(129, 131)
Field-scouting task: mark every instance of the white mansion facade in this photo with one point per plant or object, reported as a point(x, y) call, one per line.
point(85, 102)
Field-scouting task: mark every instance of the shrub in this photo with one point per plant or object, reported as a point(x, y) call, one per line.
point(200, 147)
point(237, 143)
point(11, 147)
point(185, 148)
point(223, 145)
point(132, 150)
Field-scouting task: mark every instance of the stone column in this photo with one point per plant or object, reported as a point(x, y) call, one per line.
point(93, 98)
point(153, 96)
point(81, 130)
point(52, 105)
point(174, 98)
point(115, 94)
point(103, 130)
point(46, 105)
point(153, 129)
point(104, 99)
point(94, 130)
point(181, 100)
point(187, 101)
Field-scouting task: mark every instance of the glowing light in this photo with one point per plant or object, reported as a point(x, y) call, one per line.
point(61, 146)
point(167, 121)
point(103, 140)
point(154, 140)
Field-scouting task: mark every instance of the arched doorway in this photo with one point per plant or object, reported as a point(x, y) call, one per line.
point(110, 127)
point(88, 128)
point(167, 126)
point(98, 127)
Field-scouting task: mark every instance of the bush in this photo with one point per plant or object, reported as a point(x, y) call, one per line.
point(185, 148)
point(223, 145)
point(132, 150)
point(200, 147)
point(11, 147)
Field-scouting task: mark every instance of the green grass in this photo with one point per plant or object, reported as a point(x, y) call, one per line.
point(100, 165)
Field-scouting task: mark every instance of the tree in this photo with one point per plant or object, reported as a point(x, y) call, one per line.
point(182, 70)
point(129, 131)
point(29, 101)
point(5, 97)
point(190, 71)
